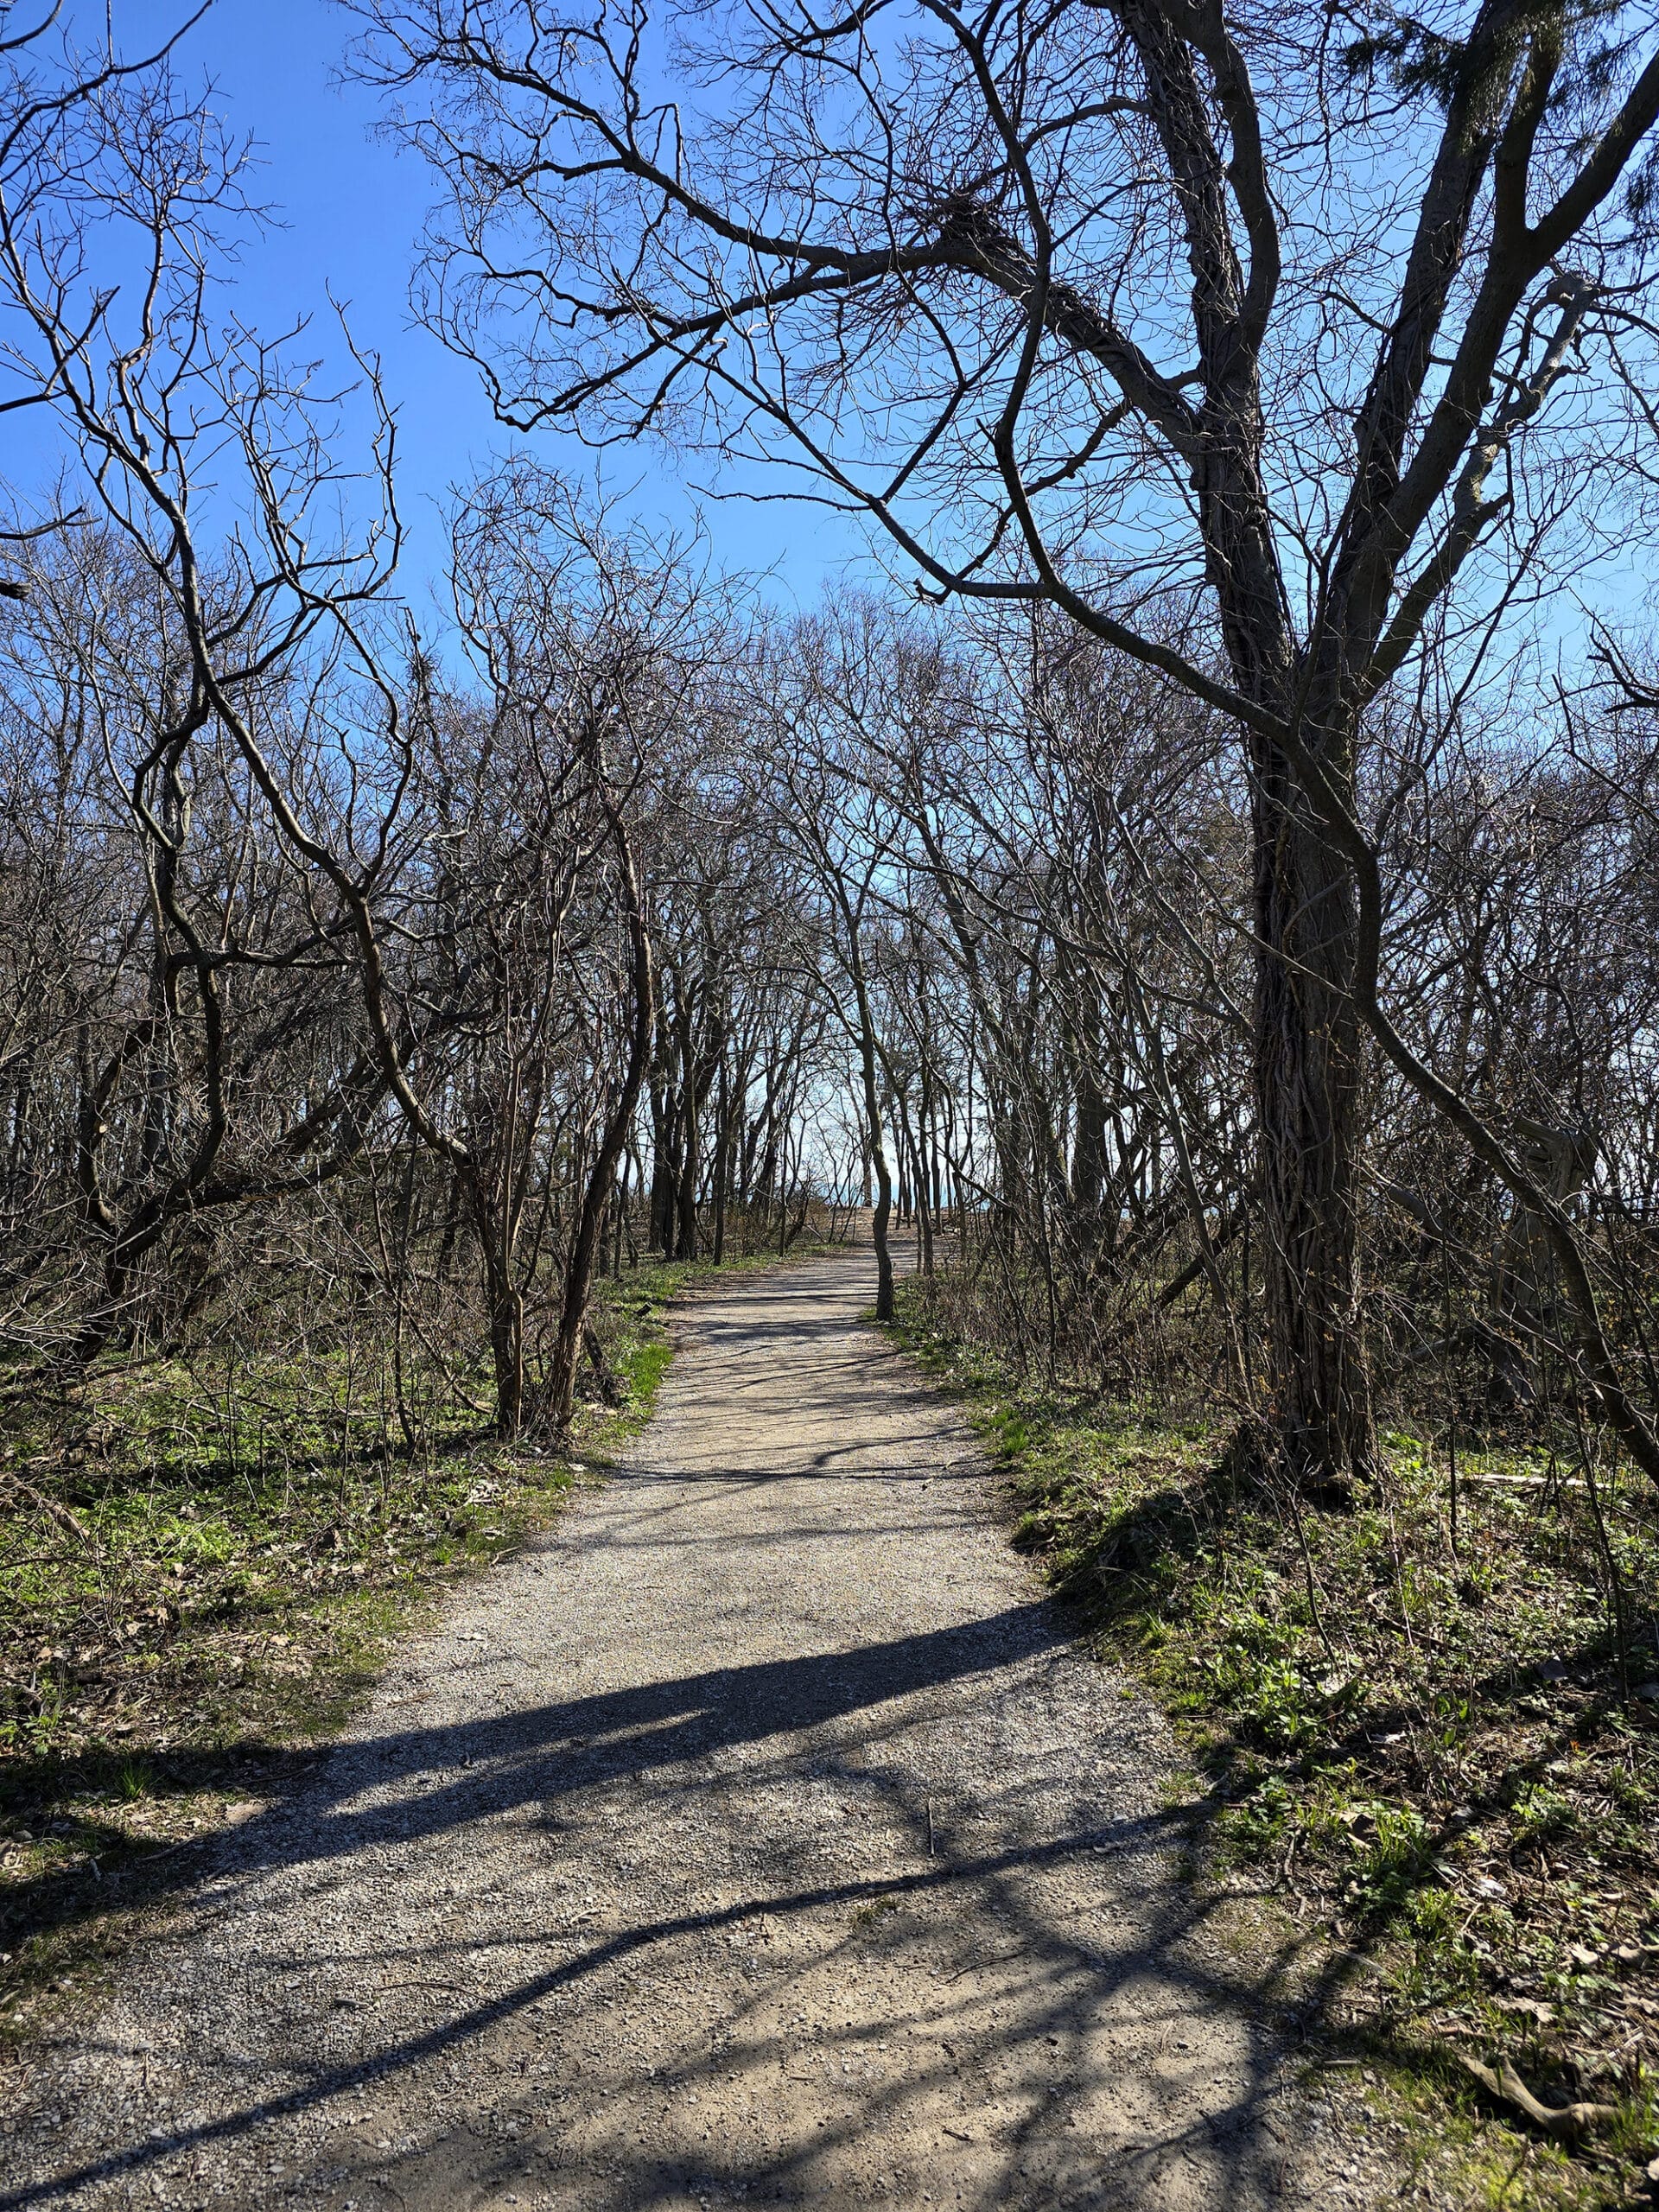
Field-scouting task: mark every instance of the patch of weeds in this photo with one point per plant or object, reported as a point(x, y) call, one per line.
point(1540, 1816)
point(1255, 1826)
point(868, 1915)
point(1393, 1866)
point(1178, 1791)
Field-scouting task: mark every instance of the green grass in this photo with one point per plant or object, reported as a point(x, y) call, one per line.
point(1436, 1758)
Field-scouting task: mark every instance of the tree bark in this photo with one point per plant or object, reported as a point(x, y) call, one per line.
point(579, 1270)
point(1309, 1077)
point(882, 1216)
point(507, 1346)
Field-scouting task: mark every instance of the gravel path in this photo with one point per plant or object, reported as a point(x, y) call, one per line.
point(756, 1837)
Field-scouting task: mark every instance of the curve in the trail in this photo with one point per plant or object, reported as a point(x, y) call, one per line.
point(760, 1838)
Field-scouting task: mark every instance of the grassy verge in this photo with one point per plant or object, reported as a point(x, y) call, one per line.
point(1442, 1759)
point(201, 1573)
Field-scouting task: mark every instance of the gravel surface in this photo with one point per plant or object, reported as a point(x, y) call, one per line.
point(758, 1837)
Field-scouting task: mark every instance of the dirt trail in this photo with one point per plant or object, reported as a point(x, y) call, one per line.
point(757, 1838)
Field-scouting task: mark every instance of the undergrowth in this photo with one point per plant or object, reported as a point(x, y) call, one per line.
point(1443, 1758)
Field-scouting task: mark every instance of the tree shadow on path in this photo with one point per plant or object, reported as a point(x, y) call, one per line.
point(410, 1786)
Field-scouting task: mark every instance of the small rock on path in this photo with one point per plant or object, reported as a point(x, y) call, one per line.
point(757, 1838)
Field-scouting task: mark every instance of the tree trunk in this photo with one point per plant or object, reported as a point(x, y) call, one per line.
point(1309, 1066)
point(875, 1154)
point(878, 1161)
point(1309, 1073)
point(1088, 1138)
point(685, 1239)
point(507, 1356)
point(584, 1249)
point(878, 1221)
point(722, 1149)
point(660, 1223)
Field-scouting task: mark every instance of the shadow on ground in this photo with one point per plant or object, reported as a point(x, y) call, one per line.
point(432, 1782)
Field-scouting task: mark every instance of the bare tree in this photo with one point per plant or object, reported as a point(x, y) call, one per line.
point(173, 660)
point(814, 705)
point(594, 650)
point(176, 998)
point(1085, 306)
point(301, 801)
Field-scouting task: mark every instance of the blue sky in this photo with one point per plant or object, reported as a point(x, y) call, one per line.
point(351, 208)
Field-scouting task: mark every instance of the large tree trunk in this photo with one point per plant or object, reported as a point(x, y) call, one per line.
point(1309, 1066)
point(659, 1230)
point(1087, 1152)
point(1309, 1073)
point(504, 1299)
point(664, 1120)
point(507, 1347)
